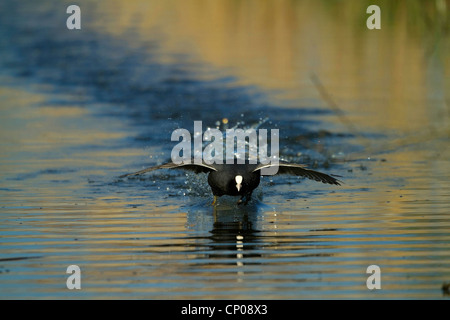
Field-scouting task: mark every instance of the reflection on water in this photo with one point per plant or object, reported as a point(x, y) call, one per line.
point(80, 108)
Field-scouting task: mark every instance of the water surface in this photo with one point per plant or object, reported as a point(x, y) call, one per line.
point(80, 108)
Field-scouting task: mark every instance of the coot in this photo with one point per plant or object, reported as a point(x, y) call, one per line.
point(240, 179)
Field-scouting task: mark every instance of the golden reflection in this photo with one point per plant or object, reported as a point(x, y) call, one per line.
point(277, 44)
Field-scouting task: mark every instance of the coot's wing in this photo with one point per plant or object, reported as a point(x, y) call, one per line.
point(300, 170)
point(197, 168)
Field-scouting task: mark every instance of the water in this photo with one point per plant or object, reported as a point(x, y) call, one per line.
point(80, 108)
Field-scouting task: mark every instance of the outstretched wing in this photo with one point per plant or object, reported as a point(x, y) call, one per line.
point(197, 168)
point(300, 170)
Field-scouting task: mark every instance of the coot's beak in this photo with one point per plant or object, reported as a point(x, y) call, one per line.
point(238, 180)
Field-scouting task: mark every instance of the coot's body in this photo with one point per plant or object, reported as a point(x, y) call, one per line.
point(223, 180)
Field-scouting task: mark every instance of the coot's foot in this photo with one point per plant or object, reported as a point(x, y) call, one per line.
point(247, 199)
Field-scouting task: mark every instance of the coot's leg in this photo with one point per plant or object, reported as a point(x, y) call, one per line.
point(247, 197)
point(214, 201)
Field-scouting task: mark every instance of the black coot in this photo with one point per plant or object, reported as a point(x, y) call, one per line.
point(240, 179)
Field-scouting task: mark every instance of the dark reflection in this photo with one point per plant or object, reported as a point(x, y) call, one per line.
point(234, 234)
point(237, 237)
point(446, 289)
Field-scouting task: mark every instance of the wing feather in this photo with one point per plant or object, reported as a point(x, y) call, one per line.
point(197, 168)
point(300, 170)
